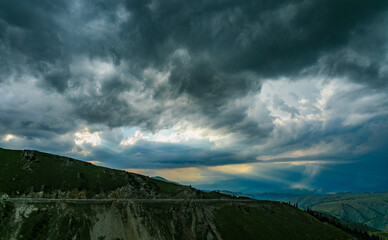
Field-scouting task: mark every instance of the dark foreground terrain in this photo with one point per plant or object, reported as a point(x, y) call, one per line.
point(185, 219)
point(45, 196)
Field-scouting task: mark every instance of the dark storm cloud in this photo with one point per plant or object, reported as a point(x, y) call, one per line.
point(166, 155)
point(215, 52)
point(226, 39)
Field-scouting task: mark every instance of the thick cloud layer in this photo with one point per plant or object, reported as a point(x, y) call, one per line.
point(197, 66)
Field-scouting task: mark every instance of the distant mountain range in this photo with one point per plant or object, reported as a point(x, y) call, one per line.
point(159, 178)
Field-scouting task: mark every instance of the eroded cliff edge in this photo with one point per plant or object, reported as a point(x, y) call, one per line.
point(184, 219)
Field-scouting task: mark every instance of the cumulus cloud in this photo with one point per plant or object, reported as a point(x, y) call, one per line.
point(335, 117)
point(85, 137)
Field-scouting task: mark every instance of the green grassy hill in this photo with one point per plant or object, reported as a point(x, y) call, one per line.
point(365, 208)
point(33, 173)
point(272, 221)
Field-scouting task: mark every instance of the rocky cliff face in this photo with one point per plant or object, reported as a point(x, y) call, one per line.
point(114, 220)
point(160, 220)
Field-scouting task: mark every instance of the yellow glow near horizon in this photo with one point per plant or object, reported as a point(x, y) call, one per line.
point(233, 168)
point(94, 162)
point(194, 174)
point(189, 174)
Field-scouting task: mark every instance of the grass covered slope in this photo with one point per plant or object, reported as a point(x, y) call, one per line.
point(37, 174)
point(272, 221)
point(365, 208)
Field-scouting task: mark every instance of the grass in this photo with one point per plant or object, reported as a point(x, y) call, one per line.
point(383, 235)
point(363, 208)
point(6, 212)
point(214, 194)
point(272, 221)
point(50, 173)
point(170, 188)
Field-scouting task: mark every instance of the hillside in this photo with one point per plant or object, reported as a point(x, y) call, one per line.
point(52, 197)
point(365, 208)
point(160, 220)
point(37, 174)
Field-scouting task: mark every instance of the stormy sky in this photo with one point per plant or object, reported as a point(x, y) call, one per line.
point(251, 96)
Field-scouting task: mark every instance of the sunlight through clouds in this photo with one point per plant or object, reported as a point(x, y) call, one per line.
point(181, 133)
point(233, 168)
point(85, 137)
point(9, 137)
point(190, 174)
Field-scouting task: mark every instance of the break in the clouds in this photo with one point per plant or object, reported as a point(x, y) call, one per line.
point(250, 95)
